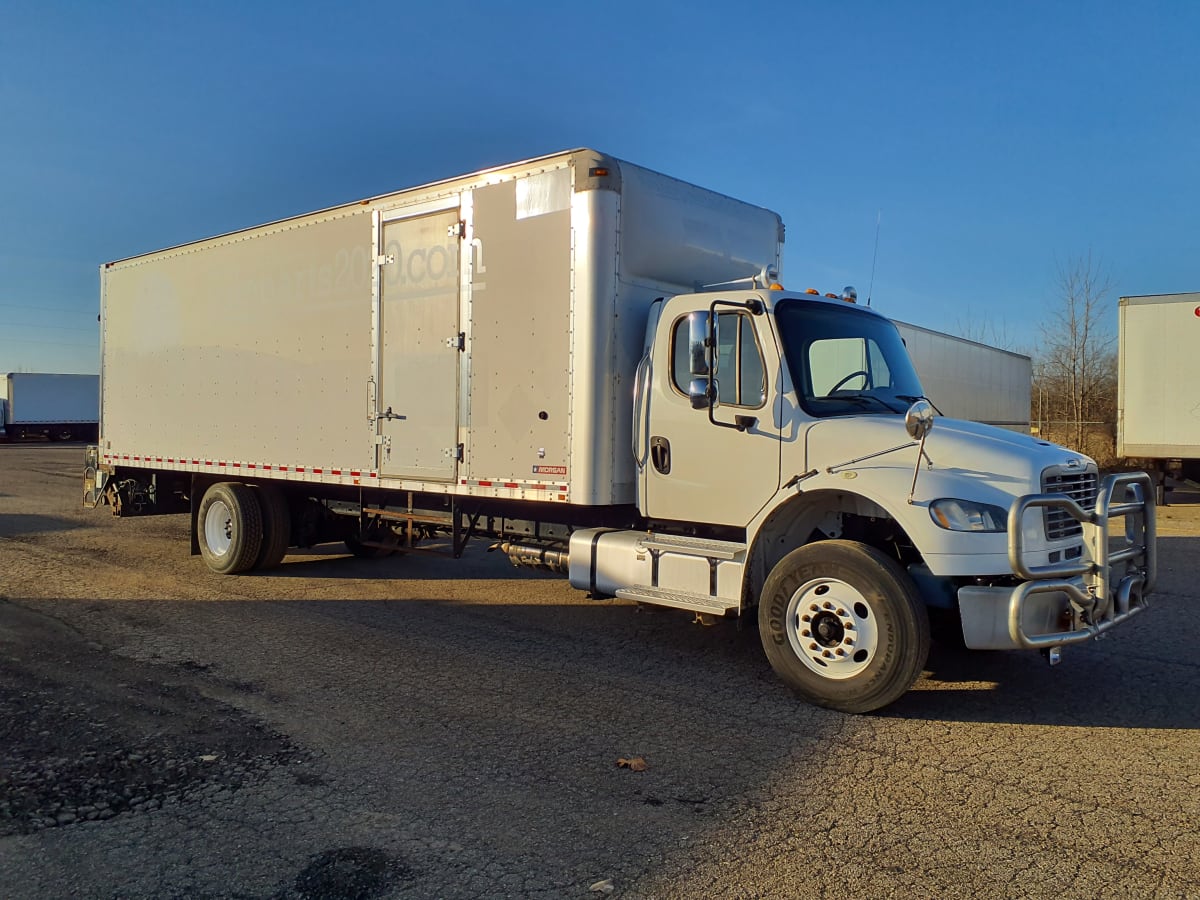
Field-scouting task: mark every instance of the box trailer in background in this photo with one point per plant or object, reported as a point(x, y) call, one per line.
point(968, 380)
point(57, 407)
point(597, 368)
point(1158, 384)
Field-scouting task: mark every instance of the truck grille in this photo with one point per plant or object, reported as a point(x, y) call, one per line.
point(1080, 486)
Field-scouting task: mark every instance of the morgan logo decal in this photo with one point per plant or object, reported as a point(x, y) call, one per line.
point(550, 470)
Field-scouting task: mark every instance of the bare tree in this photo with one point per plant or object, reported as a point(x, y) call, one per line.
point(1076, 367)
point(984, 330)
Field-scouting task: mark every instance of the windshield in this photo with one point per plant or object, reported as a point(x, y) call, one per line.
point(844, 360)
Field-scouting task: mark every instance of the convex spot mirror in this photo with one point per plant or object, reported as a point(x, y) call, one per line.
point(918, 421)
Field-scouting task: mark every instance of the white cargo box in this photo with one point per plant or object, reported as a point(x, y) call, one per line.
point(37, 398)
point(969, 380)
point(1158, 377)
point(474, 336)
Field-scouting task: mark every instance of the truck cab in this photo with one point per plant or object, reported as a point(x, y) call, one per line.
point(787, 459)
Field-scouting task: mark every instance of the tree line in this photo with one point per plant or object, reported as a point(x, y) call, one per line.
point(1074, 393)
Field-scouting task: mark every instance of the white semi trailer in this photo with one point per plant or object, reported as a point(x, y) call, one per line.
point(57, 407)
point(1158, 384)
point(969, 380)
point(596, 366)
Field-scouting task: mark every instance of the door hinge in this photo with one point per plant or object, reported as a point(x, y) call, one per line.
point(458, 229)
point(455, 453)
point(385, 259)
point(458, 342)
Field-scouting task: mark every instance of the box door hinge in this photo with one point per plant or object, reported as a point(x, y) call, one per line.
point(458, 342)
point(455, 453)
point(458, 229)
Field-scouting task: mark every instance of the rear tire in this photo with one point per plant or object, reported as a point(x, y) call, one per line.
point(229, 527)
point(842, 624)
point(276, 525)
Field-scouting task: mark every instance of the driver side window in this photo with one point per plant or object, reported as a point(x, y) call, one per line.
point(741, 378)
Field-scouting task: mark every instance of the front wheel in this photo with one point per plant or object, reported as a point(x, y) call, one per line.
point(843, 626)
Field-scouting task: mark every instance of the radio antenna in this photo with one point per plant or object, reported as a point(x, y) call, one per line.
point(874, 256)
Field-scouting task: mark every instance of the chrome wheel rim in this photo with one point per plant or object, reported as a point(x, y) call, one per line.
point(218, 528)
point(832, 629)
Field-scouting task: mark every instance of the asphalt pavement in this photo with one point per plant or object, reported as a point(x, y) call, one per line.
point(423, 727)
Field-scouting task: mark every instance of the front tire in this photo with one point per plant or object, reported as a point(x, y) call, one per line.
point(229, 526)
point(842, 624)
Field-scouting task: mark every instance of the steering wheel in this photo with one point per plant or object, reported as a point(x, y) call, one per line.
point(866, 375)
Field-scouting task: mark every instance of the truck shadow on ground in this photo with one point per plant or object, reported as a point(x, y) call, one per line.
point(334, 561)
point(1112, 685)
point(28, 526)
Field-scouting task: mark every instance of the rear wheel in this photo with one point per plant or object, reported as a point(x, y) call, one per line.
point(842, 624)
point(276, 526)
point(229, 526)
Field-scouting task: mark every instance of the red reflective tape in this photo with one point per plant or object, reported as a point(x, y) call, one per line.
point(195, 462)
point(318, 471)
point(158, 459)
point(355, 474)
point(237, 465)
point(484, 483)
point(251, 466)
point(170, 460)
point(510, 484)
point(335, 471)
point(540, 487)
point(283, 468)
point(267, 468)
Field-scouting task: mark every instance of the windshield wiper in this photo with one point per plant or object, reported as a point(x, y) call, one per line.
point(912, 399)
point(862, 399)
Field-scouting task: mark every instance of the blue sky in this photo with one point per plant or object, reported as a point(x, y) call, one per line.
point(993, 141)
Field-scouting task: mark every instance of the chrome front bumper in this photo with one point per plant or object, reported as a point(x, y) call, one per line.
point(1069, 602)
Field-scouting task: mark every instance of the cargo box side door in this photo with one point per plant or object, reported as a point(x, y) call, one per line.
point(418, 325)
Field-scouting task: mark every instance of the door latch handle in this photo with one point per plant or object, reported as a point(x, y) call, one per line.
point(660, 454)
point(388, 414)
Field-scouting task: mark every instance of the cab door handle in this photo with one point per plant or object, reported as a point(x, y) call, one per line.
point(660, 454)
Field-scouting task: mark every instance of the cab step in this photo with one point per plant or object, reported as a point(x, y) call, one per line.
point(690, 546)
point(643, 593)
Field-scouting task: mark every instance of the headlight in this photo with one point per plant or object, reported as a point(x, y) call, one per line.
point(964, 515)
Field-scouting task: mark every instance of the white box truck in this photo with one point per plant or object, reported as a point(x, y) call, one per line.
point(1158, 384)
point(596, 367)
point(969, 380)
point(57, 407)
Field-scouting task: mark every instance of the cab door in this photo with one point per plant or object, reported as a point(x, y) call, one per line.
point(725, 470)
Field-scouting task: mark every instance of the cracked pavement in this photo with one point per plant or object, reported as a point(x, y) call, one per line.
point(420, 727)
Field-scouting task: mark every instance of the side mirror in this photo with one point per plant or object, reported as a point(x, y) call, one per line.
point(918, 421)
point(702, 359)
point(698, 349)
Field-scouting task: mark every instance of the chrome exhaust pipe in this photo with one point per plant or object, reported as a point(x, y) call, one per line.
point(531, 556)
